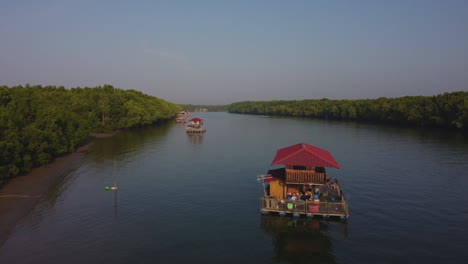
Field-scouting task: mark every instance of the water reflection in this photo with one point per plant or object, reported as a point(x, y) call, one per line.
point(195, 138)
point(128, 226)
point(116, 212)
point(299, 240)
point(129, 143)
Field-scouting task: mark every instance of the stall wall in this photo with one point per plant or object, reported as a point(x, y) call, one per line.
point(277, 189)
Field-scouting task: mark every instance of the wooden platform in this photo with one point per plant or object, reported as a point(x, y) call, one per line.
point(325, 207)
point(195, 130)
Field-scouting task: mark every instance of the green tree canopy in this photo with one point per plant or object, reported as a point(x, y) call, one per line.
point(38, 123)
point(444, 110)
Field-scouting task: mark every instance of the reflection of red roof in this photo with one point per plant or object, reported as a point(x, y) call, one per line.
point(303, 154)
point(196, 119)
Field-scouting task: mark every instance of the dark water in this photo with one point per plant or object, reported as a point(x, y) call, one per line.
point(195, 199)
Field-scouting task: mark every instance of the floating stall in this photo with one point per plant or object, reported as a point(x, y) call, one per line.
point(302, 186)
point(196, 126)
point(181, 117)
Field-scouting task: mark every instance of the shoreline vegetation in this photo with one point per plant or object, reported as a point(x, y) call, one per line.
point(41, 123)
point(449, 110)
point(207, 108)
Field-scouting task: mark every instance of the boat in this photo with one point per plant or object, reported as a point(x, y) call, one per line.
point(181, 117)
point(301, 186)
point(196, 126)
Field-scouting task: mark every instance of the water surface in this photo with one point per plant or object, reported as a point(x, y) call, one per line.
point(194, 199)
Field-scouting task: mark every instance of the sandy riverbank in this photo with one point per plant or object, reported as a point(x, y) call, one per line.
point(21, 194)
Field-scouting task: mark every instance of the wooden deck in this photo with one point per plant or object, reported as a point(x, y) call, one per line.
point(195, 130)
point(334, 204)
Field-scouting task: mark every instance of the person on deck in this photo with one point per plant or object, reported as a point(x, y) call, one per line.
point(294, 197)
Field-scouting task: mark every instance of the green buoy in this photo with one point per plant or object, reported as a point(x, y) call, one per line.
point(107, 188)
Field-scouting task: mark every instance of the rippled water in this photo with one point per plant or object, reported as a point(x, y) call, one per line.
point(195, 199)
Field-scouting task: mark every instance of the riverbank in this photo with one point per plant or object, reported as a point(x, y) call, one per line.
point(21, 194)
point(105, 135)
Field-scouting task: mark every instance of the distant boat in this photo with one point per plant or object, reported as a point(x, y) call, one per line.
point(181, 117)
point(196, 126)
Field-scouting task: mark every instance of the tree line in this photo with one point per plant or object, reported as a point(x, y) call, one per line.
point(209, 108)
point(443, 110)
point(39, 123)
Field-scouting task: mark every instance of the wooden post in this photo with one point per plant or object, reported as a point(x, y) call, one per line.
point(284, 190)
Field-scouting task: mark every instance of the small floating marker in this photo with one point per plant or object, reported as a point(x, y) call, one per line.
point(296, 215)
point(107, 188)
point(282, 213)
point(310, 215)
point(114, 188)
point(343, 218)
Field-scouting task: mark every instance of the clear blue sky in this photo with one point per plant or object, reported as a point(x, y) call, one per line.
point(218, 52)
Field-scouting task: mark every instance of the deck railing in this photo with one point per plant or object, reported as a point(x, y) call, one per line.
point(305, 177)
point(195, 129)
point(326, 208)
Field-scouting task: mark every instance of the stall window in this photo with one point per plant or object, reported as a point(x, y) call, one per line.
point(299, 168)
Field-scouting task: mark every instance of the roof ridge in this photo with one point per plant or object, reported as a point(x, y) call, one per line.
point(291, 153)
point(322, 158)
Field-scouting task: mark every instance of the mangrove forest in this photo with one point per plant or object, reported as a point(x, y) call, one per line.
point(39, 123)
point(208, 108)
point(444, 110)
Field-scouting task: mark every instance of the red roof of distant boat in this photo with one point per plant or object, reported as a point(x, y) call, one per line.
point(196, 119)
point(303, 154)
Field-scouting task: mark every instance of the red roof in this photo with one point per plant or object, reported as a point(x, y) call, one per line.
point(303, 154)
point(196, 119)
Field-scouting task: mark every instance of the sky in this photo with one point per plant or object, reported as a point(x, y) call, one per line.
point(220, 52)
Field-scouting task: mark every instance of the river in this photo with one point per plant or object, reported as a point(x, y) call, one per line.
point(195, 199)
